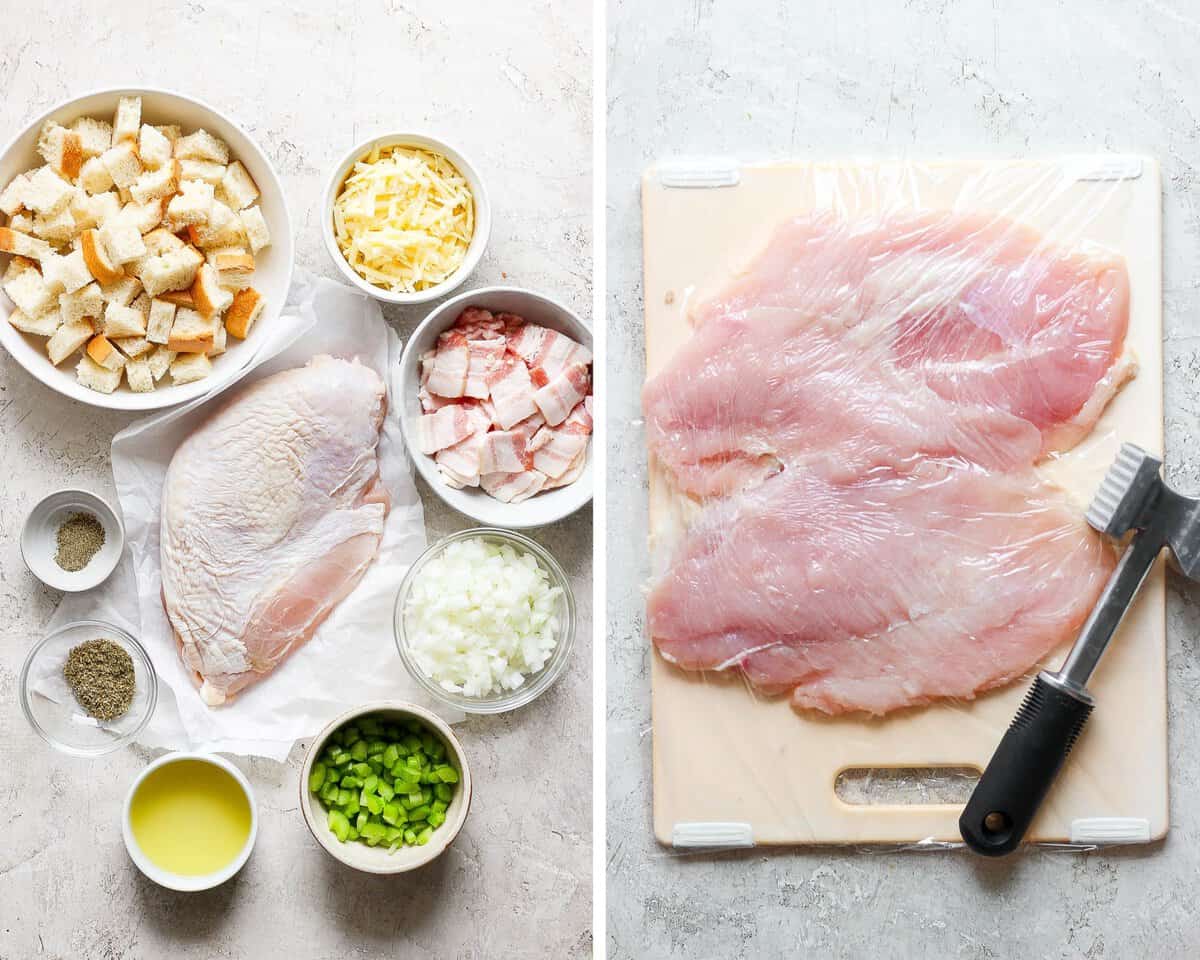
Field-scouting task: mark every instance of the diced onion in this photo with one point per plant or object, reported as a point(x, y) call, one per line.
point(481, 617)
point(404, 218)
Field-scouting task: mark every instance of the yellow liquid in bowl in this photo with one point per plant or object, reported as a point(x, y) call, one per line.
point(190, 817)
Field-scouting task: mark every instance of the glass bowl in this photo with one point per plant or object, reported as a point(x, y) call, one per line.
point(51, 709)
point(535, 684)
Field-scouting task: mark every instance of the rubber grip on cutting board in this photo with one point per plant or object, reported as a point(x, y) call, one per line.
point(1020, 773)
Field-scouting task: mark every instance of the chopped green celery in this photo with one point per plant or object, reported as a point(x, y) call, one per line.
point(361, 769)
point(439, 750)
point(428, 776)
point(412, 800)
point(413, 742)
point(375, 762)
point(350, 782)
point(390, 756)
point(316, 777)
point(370, 726)
point(371, 783)
point(446, 773)
point(373, 831)
point(329, 793)
point(402, 771)
point(391, 813)
point(385, 790)
point(423, 836)
point(375, 745)
point(353, 835)
point(393, 834)
point(374, 803)
point(351, 736)
point(341, 758)
point(427, 742)
point(410, 837)
point(350, 807)
point(339, 824)
point(419, 813)
point(439, 806)
point(360, 820)
point(343, 796)
point(359, 750)
point(413, 760)
point(444, 792)
point(389, 732)
point(436, 818)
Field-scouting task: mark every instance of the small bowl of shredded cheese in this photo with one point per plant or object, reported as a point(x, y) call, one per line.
point(406, 218)
point(485, 620)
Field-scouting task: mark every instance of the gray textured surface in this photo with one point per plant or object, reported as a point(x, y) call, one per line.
point(308, 81)
point(914, 79)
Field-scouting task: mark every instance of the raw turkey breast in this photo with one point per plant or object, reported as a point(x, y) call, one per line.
point(860, 413)
point(271, 513)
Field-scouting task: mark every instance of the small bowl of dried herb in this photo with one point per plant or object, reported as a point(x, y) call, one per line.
point(88, 688)
point(72, 540)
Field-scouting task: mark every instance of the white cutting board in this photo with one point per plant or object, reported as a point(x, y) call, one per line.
point(723, 755)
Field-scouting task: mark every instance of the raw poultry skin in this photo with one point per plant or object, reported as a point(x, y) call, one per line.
point(272, 511)
point(861, 412)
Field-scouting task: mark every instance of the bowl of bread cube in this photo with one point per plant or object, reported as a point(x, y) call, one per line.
point(145, 249)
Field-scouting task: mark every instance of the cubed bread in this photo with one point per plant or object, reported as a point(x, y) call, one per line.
point(219, 339)
point(201, 145)
point(84, 302)
point(94, 176)
point(160, 241)
point(191, 332)
point(181, 298)
point(204, 170)
point(234, 266)
point(122, 291)
point(104, 353)
point(58, 229)
point(134, 346)
point(26, 288)
point(193, 204)
point(46, 192)
point(154, 148)
point(256, 229)
point(122, 163)
point(21, 222)
point(138, 376)
point(122, 240)
point(12, 197)
point(23, 245)
point(162, 316)
point(160, 359)
point(61, 149)
point(211, 298)
point(141, 304)
point(66, 274)
point(145, 216)
point(95, 136)
point(90, 212)
point(97, 258)
point(123, 321)
point(43, 325)
point(224, 229)
point(171, 271)
point(238, 189)
point(95, 377)
point(156, 184)
point(67, 339)
point(246, 307)
point(187, 367)
point(128, 120)
point(172, 131)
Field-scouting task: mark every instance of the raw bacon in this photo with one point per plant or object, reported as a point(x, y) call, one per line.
point(558, 398)
point(449, 376)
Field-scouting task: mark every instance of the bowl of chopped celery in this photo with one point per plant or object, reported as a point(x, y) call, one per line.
point(385, 787)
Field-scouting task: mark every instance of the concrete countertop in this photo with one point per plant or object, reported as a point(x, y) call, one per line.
point(308, 80)
point(759, 78)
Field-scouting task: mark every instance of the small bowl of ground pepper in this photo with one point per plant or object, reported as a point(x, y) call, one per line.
point(72, 540)
point(88, 688)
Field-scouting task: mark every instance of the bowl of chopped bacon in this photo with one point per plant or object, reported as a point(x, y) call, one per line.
point(496, 406)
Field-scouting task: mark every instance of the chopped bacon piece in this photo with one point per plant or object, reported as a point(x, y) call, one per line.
point(554, 451)
point(558, 398)
point(572, 473)
point(462, 461)
point(430, 403)
point(446, 427)
point(428, 358)
point(480, 324)
point(525, 340)
point(449, 376)
point(512, 393)
point(504, 451)
point(485, 357)
point(513, 487)
point(579, 420)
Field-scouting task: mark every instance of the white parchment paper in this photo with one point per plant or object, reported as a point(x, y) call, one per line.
point(352, 658)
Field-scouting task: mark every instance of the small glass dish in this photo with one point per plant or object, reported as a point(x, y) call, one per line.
point(51, 708)
point(535, 684)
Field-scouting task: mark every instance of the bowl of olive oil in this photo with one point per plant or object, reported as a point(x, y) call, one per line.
point(190, 821)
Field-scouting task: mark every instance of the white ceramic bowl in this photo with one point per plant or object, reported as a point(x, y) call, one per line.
point(479, 239)
point(176, 881)
point(379, 859)
point(273, 269)
point(541, 509)
point(39, 540)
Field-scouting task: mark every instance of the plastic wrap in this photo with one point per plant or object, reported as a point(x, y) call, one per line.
point(878, 398)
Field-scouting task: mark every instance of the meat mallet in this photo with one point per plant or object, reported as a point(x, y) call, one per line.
point(1134, 497)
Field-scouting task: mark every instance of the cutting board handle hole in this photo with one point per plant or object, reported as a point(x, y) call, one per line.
point(885, 786)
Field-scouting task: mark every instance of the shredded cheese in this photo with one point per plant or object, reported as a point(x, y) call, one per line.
point(404, 218)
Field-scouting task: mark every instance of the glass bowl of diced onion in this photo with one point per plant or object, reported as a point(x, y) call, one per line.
point(473, 624)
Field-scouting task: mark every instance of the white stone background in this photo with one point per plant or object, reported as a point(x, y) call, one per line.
point(510, 82)
point(919, 79)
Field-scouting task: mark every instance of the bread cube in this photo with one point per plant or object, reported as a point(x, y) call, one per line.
point(210, 297)
point(123, 322)
point(246, 307)
point(43, 325)
point(59, 228)
point(66, 274)
point(128, 120)
point(46, 192)
point(61, 149)
point(181, 298)
point(219, 339)
point(234, 266)
point(87, 301)
point(138, 376)
point(190, 366)
point(162, 316)
point(160, 241)
point(98, 260)
point(134, 346)
point(21, 222)
point(23, 245)
point(122, 240)
point(192, 332)
point(67, 339)
point(238, 188)
point(95, 377)
point(193, 204)
point(95, 136)
point(172, 131)
point(104, 353)
point(155, 184)
point(145, 216)
point(224, 229)
point(171, 271)
point(154, 149)
point(94, 176)
point(12, 197)
point(121, 291)
point(201, 145)
point(159, 360)
point(203, 170)
point(29, 291)
point(93, 211)
point(256, 229)
point(122, 163)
